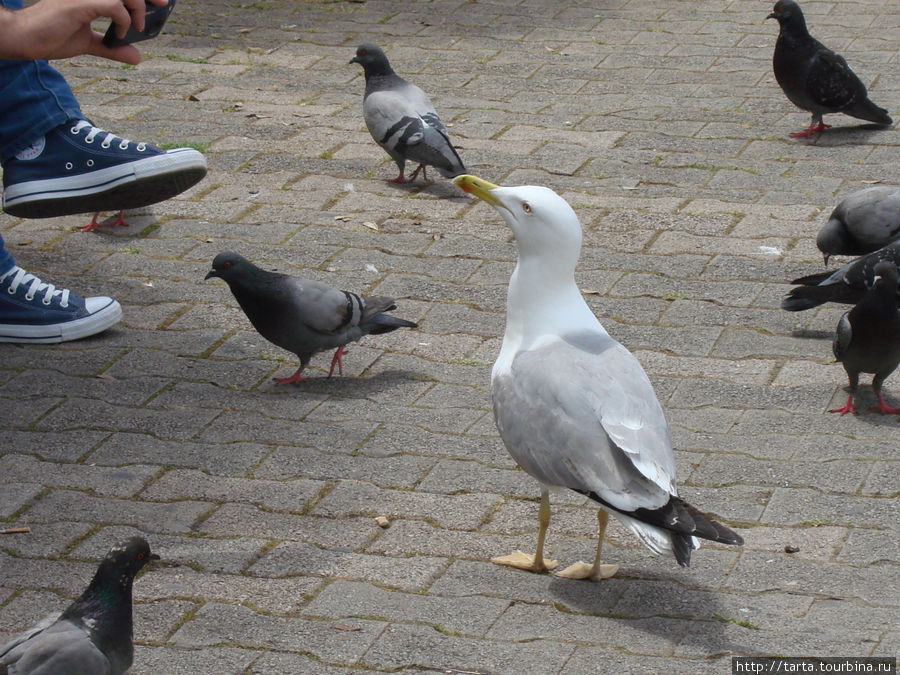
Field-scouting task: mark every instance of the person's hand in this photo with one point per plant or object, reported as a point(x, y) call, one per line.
point(56, 29)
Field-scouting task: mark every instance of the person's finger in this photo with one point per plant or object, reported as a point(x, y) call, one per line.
point(125, 53)
point(124, 16)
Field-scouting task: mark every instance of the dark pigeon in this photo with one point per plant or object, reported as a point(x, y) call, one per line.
point(94, 636)
point(301, 315)
point(863, 222)
point(868, 338)
point(402, 119)
point(815, 78)
point(847, 284)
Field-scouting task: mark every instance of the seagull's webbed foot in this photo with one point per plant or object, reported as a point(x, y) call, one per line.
point(526, 561)
point(293, 379)
point(582, 570)
point(336, 361)
point(93, 225)
point(849, 407)
point(813, 128)
point(883, 407)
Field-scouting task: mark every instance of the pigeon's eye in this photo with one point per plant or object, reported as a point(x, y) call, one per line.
point(526, 207)
point(140, 556)
point(227, 264)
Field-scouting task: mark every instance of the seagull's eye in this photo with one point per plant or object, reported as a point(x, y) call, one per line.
point(526, 207)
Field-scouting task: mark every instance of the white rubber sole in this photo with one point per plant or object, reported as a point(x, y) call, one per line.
point(107, 314)
point(127, 186)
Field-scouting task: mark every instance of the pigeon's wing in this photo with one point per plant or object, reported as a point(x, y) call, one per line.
point(831, 82)
point(842, 337)
point(392, 120)
point(62, 647)
point(319, 307)
point(580, 412)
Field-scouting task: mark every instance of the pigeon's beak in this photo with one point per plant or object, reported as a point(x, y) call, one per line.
point(153, 556)
point(211, 273)
point(826, 256)
point(773, 15)
point(353, 60)
point(479, 188)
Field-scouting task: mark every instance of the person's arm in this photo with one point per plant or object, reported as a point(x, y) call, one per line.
point(56, 29)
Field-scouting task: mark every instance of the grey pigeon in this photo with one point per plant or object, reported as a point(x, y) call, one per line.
point(573, 406)
point(868, 338)
point(815, 78)
point(302, 315)
point(94, 635)
point(847, 284)
point(402, 119)
point(863, 222)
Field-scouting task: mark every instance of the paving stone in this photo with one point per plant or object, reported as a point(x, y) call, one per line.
point(467, 616)
point(215, 623)
point(401, 646)
point(187, 661)
point(293, 558)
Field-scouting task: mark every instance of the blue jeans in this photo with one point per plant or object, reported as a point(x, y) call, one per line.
point(34, 98)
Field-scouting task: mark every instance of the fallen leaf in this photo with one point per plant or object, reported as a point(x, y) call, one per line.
point(371, 225)
point(104, 376)
point(341, 626)
point(871, 182)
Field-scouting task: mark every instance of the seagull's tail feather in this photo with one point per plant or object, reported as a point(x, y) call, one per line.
point(673, 527)
point(866, 110)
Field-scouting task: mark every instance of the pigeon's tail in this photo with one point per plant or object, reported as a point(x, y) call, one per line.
point(801, 298)
point(866, 110)
point(385, 323)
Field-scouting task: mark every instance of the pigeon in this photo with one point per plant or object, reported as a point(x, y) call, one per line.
point(94, 635)
point(815, 78)
point(847, 284)
point(402, 119)
point(868, 337)
point(863, 222)
point(574, 407)
point(301, 315)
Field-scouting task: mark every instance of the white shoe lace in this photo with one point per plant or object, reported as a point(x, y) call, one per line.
point(107, 140)
point(21, 277)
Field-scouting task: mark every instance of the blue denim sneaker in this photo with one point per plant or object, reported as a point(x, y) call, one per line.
point(78, 168)
point(34, 311)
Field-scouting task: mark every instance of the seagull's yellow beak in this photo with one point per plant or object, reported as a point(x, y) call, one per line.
point(479, 188)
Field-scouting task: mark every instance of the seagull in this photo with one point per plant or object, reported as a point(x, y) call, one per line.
point(574, 408)
point(815, 78)
point(301, 315)
point(862, 222)
point(402, 119)
point(94, 635)
point(867, 339)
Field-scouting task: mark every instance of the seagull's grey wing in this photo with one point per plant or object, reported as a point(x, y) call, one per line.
point(63, 647)
point(321, 308)
point(579, 412)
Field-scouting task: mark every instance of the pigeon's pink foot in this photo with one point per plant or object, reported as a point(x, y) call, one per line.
point(849, 407)
point(400, 179)
point(336, 361)
point(415, 173)
point(810, 130)
point(293, 379)
point(93, 225)
point(884, 408)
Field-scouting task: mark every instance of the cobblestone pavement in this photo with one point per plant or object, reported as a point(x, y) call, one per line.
point(662, 125)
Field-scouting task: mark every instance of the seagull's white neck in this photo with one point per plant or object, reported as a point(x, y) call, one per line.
point(541, 304)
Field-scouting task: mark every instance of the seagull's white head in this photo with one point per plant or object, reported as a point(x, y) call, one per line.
point(545, 226)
